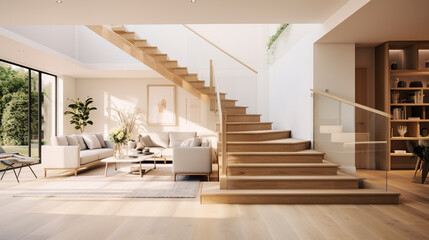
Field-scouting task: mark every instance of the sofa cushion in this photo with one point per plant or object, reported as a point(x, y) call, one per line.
point(104, 153)
point(176, 138)
point(205, 143)
point(81, 142)
point(159, 139)
point(87, 156)
point(146, 141)
point(59, 141)
point(196, 142)
point(91, 141)
point(168, 152)
point(100, 138)
point(187, 142)
point(72, 141)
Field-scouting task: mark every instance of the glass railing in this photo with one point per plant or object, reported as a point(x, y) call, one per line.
point(193, 51)
point(353, 136)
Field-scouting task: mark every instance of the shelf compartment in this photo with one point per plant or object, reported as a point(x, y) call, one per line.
point(412, 130)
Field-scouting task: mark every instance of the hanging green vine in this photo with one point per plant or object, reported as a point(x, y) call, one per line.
point(274, 37)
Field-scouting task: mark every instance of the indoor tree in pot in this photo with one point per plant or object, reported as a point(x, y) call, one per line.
point(79, 111)
point(422, 151)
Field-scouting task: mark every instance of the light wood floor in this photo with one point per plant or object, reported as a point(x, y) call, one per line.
point(89, 218)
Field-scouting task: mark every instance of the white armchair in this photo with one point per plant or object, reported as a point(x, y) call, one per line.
point(192, 161)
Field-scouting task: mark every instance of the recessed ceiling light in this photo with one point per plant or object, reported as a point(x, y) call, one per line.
point(193, 1)
point(20, 50)
point(59, 1)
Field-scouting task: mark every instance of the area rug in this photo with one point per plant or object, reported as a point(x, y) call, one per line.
point(157, 183)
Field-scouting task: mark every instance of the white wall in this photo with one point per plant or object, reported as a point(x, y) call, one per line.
point(128, 93)
point(291, 78)
point(66, 89)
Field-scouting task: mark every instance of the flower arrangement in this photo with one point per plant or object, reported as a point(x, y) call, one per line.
point(119, 135)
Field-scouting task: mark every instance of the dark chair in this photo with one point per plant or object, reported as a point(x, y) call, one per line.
point(10, 164)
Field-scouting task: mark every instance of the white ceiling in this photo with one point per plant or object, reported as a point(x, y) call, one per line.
point(82, 12)
point(383, 20)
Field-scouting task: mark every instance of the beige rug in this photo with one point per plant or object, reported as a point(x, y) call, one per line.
point(157, 183)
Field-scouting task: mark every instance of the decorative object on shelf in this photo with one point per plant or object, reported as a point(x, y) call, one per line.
point(80, 113)
point(394, 66)
point(413, 118)
point(161, 105)
point(400, 151)
point(119, 137)
point(427, 64)
point(396, 83)
point(402, 84)
point(395, 97)
point(416, 84)
point(422, 152)
point(402, 129)
point(398, 113)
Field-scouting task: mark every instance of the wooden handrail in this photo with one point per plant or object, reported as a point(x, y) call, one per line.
point(369, 109)
point(216, 46)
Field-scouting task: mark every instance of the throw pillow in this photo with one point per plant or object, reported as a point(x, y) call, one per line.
point(140, 146)
point(145, 140)
point(72, 140)
point(59, 141)
point(196, 142)
point(187, 142)
point(101, 139)
point(205, 143)
point(92, 141)
point(81, 141)
point(159, 139)
point(176, 138)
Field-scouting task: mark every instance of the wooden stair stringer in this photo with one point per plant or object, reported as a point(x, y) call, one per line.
point(150, 61)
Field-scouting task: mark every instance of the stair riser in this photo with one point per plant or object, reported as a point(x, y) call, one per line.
point(281, 171)
point(198, 84)
point(191, 78)
point(228, 103)
point(236, 110)
point(244, 118)
point(275, 159)
point(295, 184)
point(299, 199)
point(170, 64)
point(267, 147)
point(258, 137)
point(248, 127)
point(205, 90)
point(180, 71)
point(150, 50)
point(140, 43)
point(160, 58)
point(128, 36)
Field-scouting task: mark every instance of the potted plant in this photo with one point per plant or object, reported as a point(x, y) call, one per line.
point(80, 111)
point(422, 151)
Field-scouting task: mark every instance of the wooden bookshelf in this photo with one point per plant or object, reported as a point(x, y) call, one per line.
point(411, 102)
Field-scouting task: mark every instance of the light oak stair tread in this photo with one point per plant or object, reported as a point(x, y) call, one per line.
point(213, 188)
point(325, 164)
point(292, 178)
point(250, 123)
point(235, 106)
point(307, 152)
point(258, 131)
point(228, 100)
point(276, 141)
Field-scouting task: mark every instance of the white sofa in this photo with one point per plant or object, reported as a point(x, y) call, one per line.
point(65, 155)
point(193, 160)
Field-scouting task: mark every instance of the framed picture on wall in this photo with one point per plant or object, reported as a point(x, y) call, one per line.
point(161, 105)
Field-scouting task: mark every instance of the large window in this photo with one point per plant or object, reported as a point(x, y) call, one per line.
point(27, 109)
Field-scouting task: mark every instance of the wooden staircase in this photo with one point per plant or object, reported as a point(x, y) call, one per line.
point(264, 165)
point(268, 166)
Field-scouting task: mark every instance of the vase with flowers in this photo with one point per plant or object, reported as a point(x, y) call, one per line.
point(119, 137)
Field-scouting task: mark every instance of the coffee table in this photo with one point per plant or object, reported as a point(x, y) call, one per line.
point(139, 159)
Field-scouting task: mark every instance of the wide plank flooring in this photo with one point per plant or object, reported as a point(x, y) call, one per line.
point(92, 218)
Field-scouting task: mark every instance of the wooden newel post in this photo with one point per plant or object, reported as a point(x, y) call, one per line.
point(224, 175)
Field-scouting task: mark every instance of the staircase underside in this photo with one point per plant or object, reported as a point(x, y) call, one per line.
point(264, 165)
